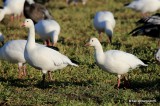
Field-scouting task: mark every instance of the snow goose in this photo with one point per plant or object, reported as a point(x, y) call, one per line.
point(12, 7)
point(13, 51)
point(104, 22)
point(48, 29)
point(154, 19)
point(35, 11)
point(114, 61)
point(144, 6)
point(43, 58)
point(148, 30)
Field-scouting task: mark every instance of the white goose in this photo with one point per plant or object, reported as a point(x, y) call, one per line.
point(48, 29)
point(114, 61)
point(12, 7)
point(144, 6)
point(13, 51)
point(43, 58)
point(104, 22)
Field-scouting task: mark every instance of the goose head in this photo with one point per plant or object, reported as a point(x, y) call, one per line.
point(28, 23)
point(93, 42)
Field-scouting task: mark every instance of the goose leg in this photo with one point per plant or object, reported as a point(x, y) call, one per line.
point(119, 81)
point(19, 72)
point(24, 70)
point(12, 18)
point(49, 76)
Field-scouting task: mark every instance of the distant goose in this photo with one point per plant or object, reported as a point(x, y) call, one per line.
point(114, 61)
point(104, 22)
point(35, 11)
point(154, 19)
point(48, 29)
point(75, 2)
point(43, 58)
point(144, 6)
point(148, 30)
point(12, 7)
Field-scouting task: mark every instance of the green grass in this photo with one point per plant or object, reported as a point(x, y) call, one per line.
point(86, 85)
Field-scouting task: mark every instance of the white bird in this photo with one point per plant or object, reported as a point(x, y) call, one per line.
point(104, 22)
point(12, 7)
point(114, 61)
point(43, 58)
point(13, 52)
point(48, 29)
point(144, 6)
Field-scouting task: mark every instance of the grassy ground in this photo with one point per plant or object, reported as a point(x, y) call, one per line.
point(86, 85)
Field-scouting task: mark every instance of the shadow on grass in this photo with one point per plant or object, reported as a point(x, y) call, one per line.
point(62, 84)
point(149, 86)
point(21, 83)
point(84, 97)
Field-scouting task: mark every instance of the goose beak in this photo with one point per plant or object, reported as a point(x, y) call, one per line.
point(23, 24)
point(87, 44)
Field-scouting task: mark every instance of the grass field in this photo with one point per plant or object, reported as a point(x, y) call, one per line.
point(86, 85)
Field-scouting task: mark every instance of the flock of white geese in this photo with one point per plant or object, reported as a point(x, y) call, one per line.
point(46, 59)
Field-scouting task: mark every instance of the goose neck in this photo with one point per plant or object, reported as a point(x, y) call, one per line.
point(31, 37)
point(98, 49)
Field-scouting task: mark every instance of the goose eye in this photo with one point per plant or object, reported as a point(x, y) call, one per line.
point(27, 21)
point(92, 40)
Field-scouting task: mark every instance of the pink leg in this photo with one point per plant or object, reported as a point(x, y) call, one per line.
point(49, 76)
point(24, 71)
point(12, 18)
point(19, 72)
point(119, 81)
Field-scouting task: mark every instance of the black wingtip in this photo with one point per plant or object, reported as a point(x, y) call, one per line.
point(52, 47)
point(74, 61)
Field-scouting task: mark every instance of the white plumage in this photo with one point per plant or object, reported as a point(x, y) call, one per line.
point(114, 61)
point(13, 51)
point(144, 6)
point(43, 58)
point(12, 7)
point(104, 22)
point(48, 29)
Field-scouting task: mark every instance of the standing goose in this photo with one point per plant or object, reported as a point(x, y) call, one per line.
point(144, 6)
point(114, 61)
point(12, 7)
point(35, 11)
point(48, 29)
point(104, 22)
point(13, 51)
point(43, 58)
